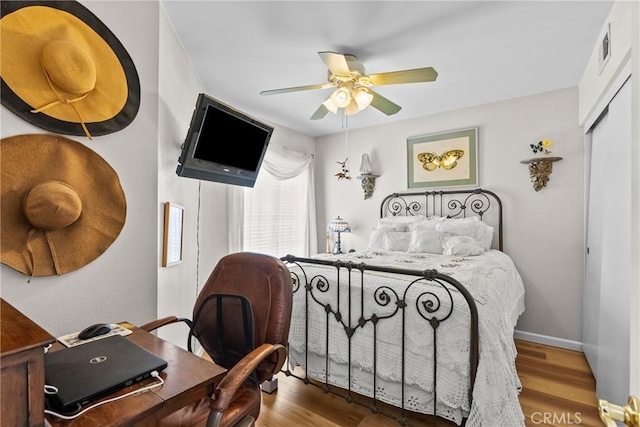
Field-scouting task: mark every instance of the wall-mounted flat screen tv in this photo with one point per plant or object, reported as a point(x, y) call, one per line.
point(223, 144)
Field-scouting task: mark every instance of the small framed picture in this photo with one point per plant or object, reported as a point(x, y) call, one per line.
point(443, 159)
point(173, 228)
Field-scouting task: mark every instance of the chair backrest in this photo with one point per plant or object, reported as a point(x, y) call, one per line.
point(222, 320)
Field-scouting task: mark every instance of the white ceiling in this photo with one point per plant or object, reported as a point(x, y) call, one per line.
point(483, 51)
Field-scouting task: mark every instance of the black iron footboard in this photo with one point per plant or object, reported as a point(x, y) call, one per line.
point(432, 298)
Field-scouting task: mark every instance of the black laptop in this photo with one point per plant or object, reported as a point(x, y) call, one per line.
point(89, 371)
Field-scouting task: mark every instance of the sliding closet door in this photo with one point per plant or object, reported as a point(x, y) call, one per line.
point(608, 265)
point(595, 223)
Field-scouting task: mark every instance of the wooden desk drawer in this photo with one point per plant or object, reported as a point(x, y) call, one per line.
point(22, 343)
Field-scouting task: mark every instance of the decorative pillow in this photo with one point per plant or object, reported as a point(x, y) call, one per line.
point(471, 226)
point(425, 237)
point(396, 240)
point(376, 240)
point(459, 226)
point(461, 245)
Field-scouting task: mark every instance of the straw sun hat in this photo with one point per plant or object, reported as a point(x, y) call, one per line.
point(64, 71)
point(62, 204)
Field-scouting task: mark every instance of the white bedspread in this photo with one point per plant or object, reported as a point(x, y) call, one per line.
point(497, 288)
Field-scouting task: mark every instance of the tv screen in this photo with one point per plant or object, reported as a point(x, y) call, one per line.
point(223, 144)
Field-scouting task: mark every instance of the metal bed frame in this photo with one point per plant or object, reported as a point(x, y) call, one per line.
point(434, 307)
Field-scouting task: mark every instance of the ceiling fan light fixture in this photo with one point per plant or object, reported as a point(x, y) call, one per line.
point(353, 92)
point(363, 97)
point(352, 108)
point(341, 97)
point(331, 106)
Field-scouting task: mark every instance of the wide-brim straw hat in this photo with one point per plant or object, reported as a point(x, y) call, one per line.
point(63, 69)
point(62, 205)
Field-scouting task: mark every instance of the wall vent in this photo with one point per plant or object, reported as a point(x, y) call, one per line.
point(604, 47)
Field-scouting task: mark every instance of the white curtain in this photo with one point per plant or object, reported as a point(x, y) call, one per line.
point(282, 163)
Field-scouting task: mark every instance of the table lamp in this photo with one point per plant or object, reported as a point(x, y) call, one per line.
point(338, 225)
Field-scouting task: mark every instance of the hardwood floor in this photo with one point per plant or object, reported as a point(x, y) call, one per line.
point(556, 381)
point(558, 390)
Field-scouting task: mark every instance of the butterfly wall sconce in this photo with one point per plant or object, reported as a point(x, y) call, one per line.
point(539, 170)
point(447, 160)
point(541, 167)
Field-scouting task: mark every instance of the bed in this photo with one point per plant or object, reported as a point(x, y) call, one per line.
point(421, 320)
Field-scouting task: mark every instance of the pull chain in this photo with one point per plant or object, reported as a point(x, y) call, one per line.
point(344, 170)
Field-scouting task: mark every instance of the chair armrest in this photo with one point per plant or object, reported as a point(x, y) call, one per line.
point(155, 324)
point(237, 375)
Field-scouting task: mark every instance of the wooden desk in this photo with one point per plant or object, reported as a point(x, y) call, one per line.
point(188, 378)
point(22, 344)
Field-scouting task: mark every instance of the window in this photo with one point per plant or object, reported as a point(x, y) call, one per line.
point(277, 216)
point(275, 220)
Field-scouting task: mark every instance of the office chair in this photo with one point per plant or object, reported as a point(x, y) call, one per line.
point(241, 319)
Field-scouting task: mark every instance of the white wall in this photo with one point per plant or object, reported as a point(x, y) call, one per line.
point(178, 285)
point(596, 79)
point(206, 237)
point(120, 284)
point(542, 230)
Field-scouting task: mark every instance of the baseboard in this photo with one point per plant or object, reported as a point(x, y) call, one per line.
point(547, 340)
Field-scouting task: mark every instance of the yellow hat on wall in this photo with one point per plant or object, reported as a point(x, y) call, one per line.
point(62, 205)
point(64, 71)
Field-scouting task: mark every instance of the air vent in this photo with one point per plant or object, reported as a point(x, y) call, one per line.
point(604, 47)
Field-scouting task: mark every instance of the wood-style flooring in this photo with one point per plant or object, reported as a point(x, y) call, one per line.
point(558, 390)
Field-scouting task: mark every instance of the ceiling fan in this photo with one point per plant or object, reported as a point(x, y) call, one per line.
point(353, 86)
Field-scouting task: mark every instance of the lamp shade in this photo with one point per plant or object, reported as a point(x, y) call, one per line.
point(363, 97)
point(365, 166)
point(341, 97)
point(339, 225)
point(331, 106)
point(352, 108)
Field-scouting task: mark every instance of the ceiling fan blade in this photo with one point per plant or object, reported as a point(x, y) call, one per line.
point(297, 88)
point(416, 75)
point(383, 104)
point(336, 63)
point(320, 112)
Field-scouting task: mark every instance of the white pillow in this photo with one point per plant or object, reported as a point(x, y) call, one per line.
point(376, 240)
point(404, 219)
point(470, 226)
point(396, 240)
point(390, 226)
point(459, 226)
point(425, 237)
point(461, 245)
point(484, 234)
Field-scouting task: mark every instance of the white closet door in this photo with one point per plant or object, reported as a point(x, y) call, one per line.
point(608, 267)
point(595, 223)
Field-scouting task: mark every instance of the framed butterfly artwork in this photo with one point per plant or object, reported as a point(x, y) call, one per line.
point(443, 159)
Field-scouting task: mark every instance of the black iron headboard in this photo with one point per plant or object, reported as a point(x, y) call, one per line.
point(451, 204)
